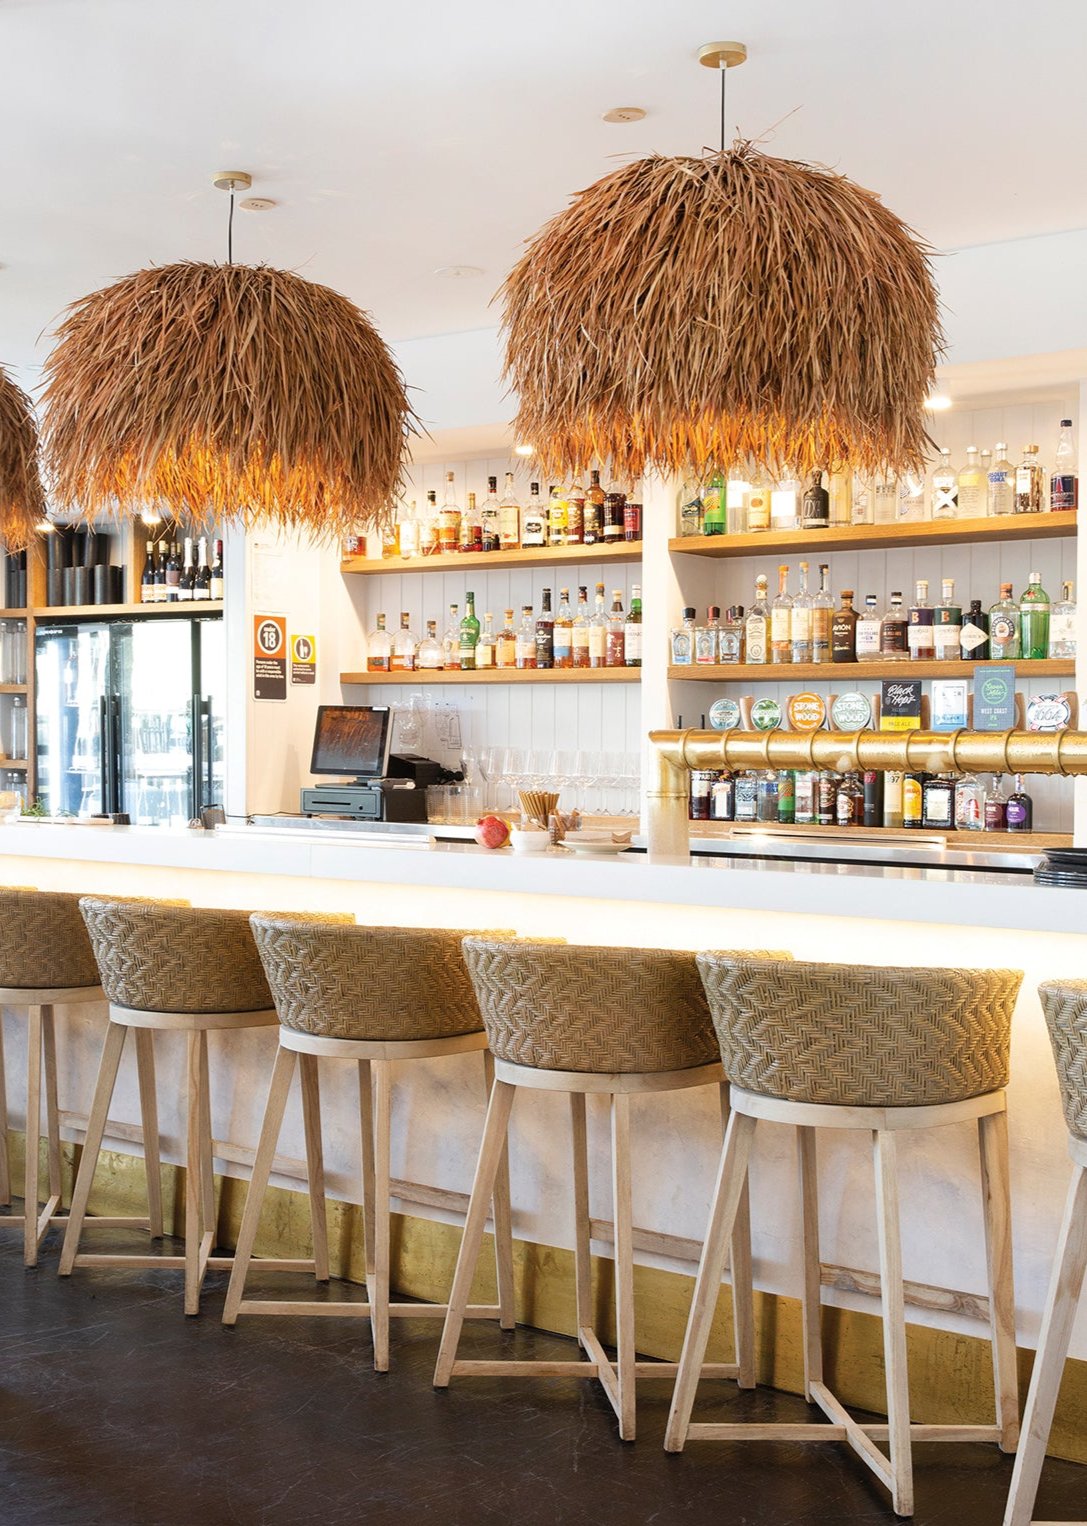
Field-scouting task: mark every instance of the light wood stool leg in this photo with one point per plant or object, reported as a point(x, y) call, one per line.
point(583, 1266)
point(92, 1144)
point(315, 1162)
point(502, 1210)
point(5, 1162)
point(490, 1157)
point(885, 1158)
point(52, 1106)
point(624, 1263)
point(207, 1162)
point(812, 1294)
point(193, 1171)
point(366, 1128)
point(728, 1190)
point(1054, 1337)
point(282, 1075)
point(149, 1119)
point(743, 1274)
point(379, 1302)
point(996, 1196)
point(33, 1134)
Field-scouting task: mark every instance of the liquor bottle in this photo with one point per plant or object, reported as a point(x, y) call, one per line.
point(872, 815)
point(913, 799)
point(201, 583)
point(632, 630)
point(545, 633)
point(430, 655)
point(801, 620)
point(390, 539)
point(1004, 627)
point(558, 515)
point(822, 617)
point(816, 505)
point(632, 519)
point(534, 519)
point(1063, 483)
point(218, 587)
point(863, 501)
point(843, 630)
point(505, 655)
point(592, 530)
point(526, 639)
point(947, 624)
point(730, 637)
point(974, 636)
point(486, 645)
point(562, 634)
point(968, 804)
point(766, 796)
point(614, 503)
point(746, 795)
point(849, 802)
point(986, 462)
point(894, 641)
point(868, 628)
point(148, 590)
point(885, 499)
point(402, 654)
point(715, 506)
point(1002, 482)
point(173, 575)
point(737, 488)
point(1029, 483)
point(781, 620)
point(451, 639)
point(379, 648)
point(945, 488)
point(972, 486)
point(468, 635)
point(1019, 811)
point(429, 543)
point(826, 797)
point(575, 514)
point(995, 814)
point(757, 624)
point(471, 527)
point(706, 638)
point(682, 641)
point(1034, 620)
point(757, 505)
point(615, 655)
point(489, 517)
point(938, 803)
point(409, 533)
point(579, 633)
point(1062, 624)
point(188, 573)
point(723, 798)
point(922, 640)
point(911, 499)
point(160, 571)
point(598, 632)
point(785, 505)
point(449, 517)
point(509, 518)
point(786, 796)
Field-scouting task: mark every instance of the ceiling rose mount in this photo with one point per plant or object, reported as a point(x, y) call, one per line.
point(722, 55)
point(232, 180)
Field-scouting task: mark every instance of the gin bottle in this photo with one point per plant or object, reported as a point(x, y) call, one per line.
point(922, 640)
point(868, 628)
point(1034, 619)
point(800, 623)
point(781, 620)
point(1062, 625)
point(947, 624)
point(972, 486)
point(1004, 627)
point(945, 488)
point(757, 624)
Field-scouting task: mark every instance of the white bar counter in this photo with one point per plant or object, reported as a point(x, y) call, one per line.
point(846, 913)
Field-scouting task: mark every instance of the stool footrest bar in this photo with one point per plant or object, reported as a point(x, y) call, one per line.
point(345, 1310)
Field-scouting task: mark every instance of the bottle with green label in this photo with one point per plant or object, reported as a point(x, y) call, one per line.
point(715, 506)
point(469, 635)
point(1034, 619)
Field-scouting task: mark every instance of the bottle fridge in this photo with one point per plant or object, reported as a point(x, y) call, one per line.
point(130, 718)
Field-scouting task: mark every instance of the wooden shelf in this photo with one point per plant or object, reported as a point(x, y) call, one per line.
point(186, 611)
point(426, 676)
point(13, 614)
point(14, 688)
point(17, 763)
point(893, 837)
point(525, 556)
point(930, 532)
point(839, 672)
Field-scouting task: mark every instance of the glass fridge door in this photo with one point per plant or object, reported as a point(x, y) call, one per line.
point(209, 707)
point(71, 669)
point(152, 687)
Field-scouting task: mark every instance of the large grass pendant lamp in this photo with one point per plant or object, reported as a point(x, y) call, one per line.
point(691, 313)
point(225, 393)
point(22, 501)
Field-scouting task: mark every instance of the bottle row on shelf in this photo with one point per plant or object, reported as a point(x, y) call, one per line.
point(571, 636)
point(807, 627)
point(821, 797)
point(733, 505)
point(570, 516)
point(174, 574)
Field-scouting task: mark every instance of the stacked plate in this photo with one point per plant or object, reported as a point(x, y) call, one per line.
point(1063, 866)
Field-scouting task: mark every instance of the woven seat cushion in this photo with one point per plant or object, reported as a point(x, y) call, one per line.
point(43, 942)
point(860, 1035)
point(1064, 1003)
point(392, 984)
point(600, 1010)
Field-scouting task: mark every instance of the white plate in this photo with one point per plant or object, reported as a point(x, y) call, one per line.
point(594, 846)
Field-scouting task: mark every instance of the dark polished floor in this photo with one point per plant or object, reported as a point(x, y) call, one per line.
point(116, 1410)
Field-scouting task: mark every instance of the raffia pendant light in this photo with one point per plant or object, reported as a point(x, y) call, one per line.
point(22, 501)
point(691, 313)
point(225, 393)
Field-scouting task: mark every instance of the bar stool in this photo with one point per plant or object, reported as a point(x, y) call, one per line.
point(883, 1050)
point(1065, 1005)
point(45, 961)
point(373, 995)
point(582, 1021)
point(174, 968)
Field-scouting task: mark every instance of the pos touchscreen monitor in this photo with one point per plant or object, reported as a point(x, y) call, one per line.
point(352, 739)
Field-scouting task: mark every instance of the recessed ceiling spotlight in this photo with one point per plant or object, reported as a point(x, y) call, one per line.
point(937, 402)
point(524, 450)
point(624, 114)
point(459, 272)
point(257, 204)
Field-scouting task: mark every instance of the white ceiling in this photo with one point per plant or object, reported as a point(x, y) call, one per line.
point(401, 137)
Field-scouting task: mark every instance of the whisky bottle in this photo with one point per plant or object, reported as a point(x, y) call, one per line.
point(486, 647)
point(378, 648)
point(632, 630)
point(615, 654)
point(402, 655)
point(430, 655)
point(449, 517)
point(579, 632)
point(545, 633)
point(598, 632)
point(575, 514)
point(843, 631)
point(563, 632)
point(592, 530)
point(526, 639)
point(429, 544)
point(505, 653)
point(489, 518)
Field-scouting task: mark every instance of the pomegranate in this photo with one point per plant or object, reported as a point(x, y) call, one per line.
point(492, 832)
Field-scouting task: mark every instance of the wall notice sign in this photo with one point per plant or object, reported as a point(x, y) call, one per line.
point(994, 697)
point(269, 657)
point(303, 659)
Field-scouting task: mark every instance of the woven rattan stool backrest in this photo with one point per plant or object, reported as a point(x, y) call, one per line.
point(372, 983)
point(860, 1035)
point(43, 942)
point(1064, 1003)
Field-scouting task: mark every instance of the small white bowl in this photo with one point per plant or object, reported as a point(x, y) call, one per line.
point(529, 839)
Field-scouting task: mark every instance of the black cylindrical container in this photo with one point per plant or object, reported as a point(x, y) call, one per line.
point(81, 585)
point(873, 797)
point(20, 582)
point(67, 585)
point(101, 585)
point(54, 586)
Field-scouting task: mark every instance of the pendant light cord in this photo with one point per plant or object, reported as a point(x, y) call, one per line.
point(724, 76)
point(230, 218)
